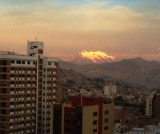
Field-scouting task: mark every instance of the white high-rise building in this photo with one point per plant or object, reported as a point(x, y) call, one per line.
point(28, 86)
point(110, 90)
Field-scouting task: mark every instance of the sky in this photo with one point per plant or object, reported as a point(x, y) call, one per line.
point(121, 28)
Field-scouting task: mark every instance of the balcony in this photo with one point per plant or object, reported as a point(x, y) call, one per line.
point(28, 71)
point(11, 127)
point(28, 78)
point(12, 85)
point(28, 105)
point(12, 78)
point(11, 99)
point(11, 113)
point(12, 92)
point(11, 120)
point(54, 78)
point(12, 71)
point(22, 105)
point(28, 118)
point(54, 72)
point(28, 111)
point(23, 71)
point(11, 106)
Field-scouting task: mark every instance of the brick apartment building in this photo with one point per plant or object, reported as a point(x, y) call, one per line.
point(28, 86)
point(85, 115)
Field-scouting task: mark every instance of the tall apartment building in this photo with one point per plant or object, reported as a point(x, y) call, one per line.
point(85, 115)
point(149, 107)
point(156, 105)
point(28, 86)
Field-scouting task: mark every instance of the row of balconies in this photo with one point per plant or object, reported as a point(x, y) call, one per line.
point(16, 71)
point(22, 85)
point(50, 85)
point(22, 78)
point(22, 119)
point(49, 79)
point(21, 106)
point(22, 92)
point(22, 112)
point(22, 99)
point(23, 126)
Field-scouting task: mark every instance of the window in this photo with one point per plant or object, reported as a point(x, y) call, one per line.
point(4, 62)
point(3, 97)
point(4, 69)
point(3, 111)
point(3, 83)
point(106, 112)
point(95, 122)
point(94, 130)
point(4, 76)
point(106, 128)
point(49, 63)
point(3, 104)
point(74, 103)
point(32, 47)
point(3, 90)
point(18, 62)
point(12, 61)
point(95, 114)
point(12, 103)
point(23, 62)
point(28, 62)
point(41, 61)
point(106, 120)
point(40, 51)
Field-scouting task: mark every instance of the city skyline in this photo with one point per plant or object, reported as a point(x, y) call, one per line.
point(122, 28)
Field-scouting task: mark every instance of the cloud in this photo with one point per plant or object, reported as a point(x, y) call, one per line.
point(72, 28)
point(86, 17)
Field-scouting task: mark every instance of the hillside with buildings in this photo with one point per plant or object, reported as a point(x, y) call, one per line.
point(75, 83)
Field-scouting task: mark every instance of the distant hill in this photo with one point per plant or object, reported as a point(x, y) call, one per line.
point(136, 71)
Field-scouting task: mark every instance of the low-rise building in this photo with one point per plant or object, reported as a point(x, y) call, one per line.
point(85, 115)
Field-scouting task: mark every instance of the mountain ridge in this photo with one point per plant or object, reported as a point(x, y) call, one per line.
point(136, 71)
